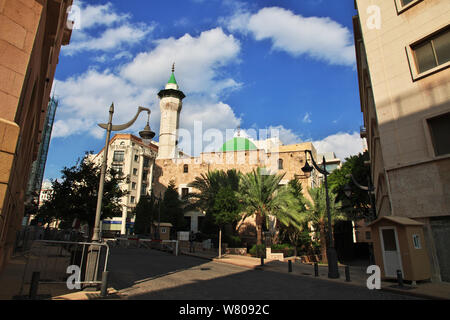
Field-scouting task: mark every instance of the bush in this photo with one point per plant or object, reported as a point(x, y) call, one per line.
point(233, 241)
point(258, 250)
point(284, 248)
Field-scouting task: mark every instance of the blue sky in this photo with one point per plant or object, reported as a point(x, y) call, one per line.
point(285, 64)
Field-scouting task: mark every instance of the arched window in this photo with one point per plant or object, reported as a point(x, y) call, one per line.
point(280, 164)
point(185, 168)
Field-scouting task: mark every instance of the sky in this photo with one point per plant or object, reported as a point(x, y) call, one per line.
point(283, 65)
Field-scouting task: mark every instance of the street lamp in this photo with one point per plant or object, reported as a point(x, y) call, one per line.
point(146, 135)
point(370, 191)
point(333, 271)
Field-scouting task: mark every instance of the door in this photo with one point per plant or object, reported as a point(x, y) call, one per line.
point(391, 252)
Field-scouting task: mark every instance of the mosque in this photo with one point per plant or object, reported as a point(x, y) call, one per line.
point(152, 168)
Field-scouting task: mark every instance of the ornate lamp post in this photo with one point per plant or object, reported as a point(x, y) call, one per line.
point(333, 270)
point(146, 135)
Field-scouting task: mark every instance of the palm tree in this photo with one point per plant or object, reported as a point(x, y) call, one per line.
point(262, 195)
point(317, 214)
point(208, 186)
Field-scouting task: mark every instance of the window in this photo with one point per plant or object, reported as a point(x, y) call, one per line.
point(135, 171)
point(405, 2)
point(368, 235)
point(416, 241)
point(280, 164)
point(144, 188)
point(133, 185)
point(118, 156)
point(146, 162)
point(185, 168)
point(184, 192)
point(117, 168)
point(440, 133)
point(136, 158)
point(132, 199)
point(433, 51)
point(163, 230)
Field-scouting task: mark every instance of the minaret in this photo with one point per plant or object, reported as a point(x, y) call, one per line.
point(170, 106)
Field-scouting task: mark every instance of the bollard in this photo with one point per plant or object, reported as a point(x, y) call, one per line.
point(399, 278)
point(347, 273)
point(262, 260)
point(34, 285)
point(316, 269)
point(289, 265)
point(104, 287)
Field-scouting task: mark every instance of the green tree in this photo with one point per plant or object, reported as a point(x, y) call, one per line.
point(226, 210)
point(172, 208)
point(358, 206)
point(76, 195)
point(295, 233)
point(207, 187)
point(262, 195)
point(146, 211)
point(317, 215)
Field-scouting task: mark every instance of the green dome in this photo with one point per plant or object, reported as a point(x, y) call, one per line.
point(238, 144)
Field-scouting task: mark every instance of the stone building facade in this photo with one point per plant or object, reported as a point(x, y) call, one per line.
point(403, 55)
point(31, 35)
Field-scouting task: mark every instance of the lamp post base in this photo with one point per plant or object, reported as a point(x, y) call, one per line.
point(333, 270)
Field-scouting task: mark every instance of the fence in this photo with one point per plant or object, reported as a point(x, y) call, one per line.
point(163, 245)
point(48, 261)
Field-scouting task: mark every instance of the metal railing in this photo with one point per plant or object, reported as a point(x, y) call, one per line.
point(163, 245)
point(49, 260)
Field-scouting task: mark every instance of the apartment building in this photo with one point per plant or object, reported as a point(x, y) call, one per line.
point(403, 59)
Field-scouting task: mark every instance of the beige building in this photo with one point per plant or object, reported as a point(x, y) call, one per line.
point(31, 35)
point(403, 55)
point(129, 155)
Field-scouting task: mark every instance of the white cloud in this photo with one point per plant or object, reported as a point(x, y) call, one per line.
point(117, 31)
point(342, 144)
point(307, 118)
point(111, 39)
point(320, 38)
point(85, 98)
point(91, 16)
point(85, 101)
point(198, 61)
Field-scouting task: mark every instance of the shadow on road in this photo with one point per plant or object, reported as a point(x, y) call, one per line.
point(153, 275)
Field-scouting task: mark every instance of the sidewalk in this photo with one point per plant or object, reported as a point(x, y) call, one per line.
point(358, 275)
point(11, 281)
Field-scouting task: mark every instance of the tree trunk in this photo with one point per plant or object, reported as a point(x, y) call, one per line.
point(323, 242)
point(258, 222)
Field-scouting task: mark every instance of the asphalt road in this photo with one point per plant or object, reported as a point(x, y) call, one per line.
point(154, 275)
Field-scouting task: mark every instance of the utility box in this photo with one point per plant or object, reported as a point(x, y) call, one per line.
point(399, 244)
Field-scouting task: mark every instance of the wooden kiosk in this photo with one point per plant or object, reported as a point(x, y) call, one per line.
point(399, 244)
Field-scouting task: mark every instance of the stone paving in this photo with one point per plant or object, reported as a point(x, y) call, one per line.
point(10, 278)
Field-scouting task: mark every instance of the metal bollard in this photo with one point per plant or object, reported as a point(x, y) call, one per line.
point(104, 287)
point(347, 273)
point(262, 260)
point(289, 265)
point(316, 269)
point(399, 278)
point(34, 285)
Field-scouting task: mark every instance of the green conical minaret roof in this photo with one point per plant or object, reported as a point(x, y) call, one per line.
point(172, 79)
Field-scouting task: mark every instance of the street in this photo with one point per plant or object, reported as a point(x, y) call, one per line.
point(155, 275)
